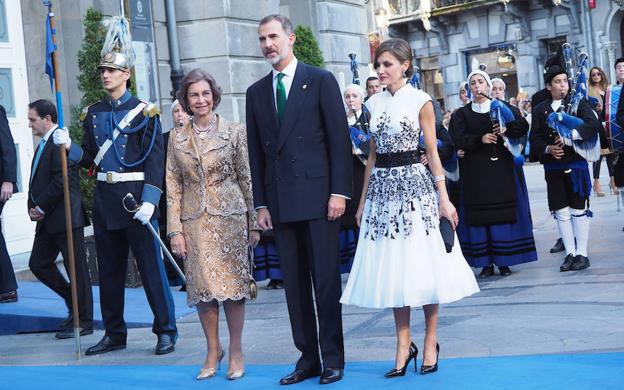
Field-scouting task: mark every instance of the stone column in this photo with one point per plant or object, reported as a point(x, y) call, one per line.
point(610, 46)
point(342, 29)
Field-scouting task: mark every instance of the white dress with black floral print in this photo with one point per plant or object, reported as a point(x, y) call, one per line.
point(401, 259)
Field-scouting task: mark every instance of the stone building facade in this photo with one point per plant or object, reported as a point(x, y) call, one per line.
point(451, 37)
point(217, 35)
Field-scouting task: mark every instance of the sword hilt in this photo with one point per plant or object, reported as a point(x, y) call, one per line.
point(130, 204)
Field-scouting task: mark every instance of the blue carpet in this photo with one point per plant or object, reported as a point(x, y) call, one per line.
point(39, 309)
point(588, 371)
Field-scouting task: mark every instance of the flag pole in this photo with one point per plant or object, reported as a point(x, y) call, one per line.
point(68, 218)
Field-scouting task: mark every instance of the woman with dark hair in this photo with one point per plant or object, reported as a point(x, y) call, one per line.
point(211, 218)
point(401, 260)
point(598, 84)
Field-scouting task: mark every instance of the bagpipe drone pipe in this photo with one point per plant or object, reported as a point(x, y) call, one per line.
point(564, 121)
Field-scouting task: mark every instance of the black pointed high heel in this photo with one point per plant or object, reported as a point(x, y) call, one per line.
point(431, 369)
point(413, 353)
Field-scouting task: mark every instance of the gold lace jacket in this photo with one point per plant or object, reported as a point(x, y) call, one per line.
point(212, 177)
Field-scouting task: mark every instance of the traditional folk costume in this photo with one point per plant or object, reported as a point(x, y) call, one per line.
point(495, 226)
point(568, 179)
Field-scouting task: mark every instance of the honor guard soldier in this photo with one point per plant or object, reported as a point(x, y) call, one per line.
point(123, 145)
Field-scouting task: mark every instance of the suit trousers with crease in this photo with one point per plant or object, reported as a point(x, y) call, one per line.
point(45, 250)
point(308, 252)
point(7, 275)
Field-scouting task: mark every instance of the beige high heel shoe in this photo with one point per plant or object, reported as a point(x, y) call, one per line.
point(205, 373)
point(234, 375)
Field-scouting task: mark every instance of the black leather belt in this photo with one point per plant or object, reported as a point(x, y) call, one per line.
point(390, 160)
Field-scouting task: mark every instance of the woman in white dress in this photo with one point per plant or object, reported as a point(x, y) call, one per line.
point(401, 260)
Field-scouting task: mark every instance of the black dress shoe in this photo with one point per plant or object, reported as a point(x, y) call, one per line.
point(558, 247)
point(107, 344)
point(486, 272)
point(580, 262)
point(298, 376)
point(504, 270)
point(413, 354)
point(424, 370)
point(8, 297)
point(67, 323)
point(69, 333)
point(166, 343)
point(331, 375)
point(567, 263)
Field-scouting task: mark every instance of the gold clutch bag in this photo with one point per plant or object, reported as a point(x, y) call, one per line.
point(253, 287)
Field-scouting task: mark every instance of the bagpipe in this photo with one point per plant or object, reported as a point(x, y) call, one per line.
point(565, 120)
point(501, 115)
point(360, 131)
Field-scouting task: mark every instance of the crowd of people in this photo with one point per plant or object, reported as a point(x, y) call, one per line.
point(372, 182)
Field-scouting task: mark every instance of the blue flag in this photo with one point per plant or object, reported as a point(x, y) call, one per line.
point(50, 47)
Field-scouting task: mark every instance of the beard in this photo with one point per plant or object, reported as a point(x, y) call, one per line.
point(279, 57)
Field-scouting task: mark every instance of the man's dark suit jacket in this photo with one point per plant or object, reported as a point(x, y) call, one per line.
point(8, 155)
point(296, 166)
point(46, 191)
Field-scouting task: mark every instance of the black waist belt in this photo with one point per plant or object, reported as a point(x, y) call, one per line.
point(389, 160)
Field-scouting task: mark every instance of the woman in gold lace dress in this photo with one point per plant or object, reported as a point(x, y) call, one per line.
point(211, 219)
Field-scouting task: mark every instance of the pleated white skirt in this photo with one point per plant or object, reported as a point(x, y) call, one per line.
point(407, 271)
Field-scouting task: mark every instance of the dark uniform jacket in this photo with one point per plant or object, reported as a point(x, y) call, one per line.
point(127, 148)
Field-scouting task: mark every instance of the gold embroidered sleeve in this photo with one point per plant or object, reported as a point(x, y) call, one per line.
point(243, 174)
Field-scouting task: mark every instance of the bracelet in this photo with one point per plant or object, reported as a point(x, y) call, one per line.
point(439, 178)
point(170, 235)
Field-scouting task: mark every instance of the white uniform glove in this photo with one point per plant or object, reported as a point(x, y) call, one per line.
point(61, 137)
point(145, 212)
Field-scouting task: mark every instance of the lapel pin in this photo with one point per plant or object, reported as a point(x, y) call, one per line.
point(305, 86)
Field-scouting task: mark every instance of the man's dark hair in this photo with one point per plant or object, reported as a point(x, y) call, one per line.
point(287, 25)
point(44, 108)
point(621, 59)
point(372, 78)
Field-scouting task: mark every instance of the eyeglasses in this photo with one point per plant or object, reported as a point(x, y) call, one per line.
point(595, 74)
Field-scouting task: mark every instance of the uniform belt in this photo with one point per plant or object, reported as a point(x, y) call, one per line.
point(116, 177)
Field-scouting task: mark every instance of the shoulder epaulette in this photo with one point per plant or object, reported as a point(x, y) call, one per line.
point(85, 111)
point(151, 110)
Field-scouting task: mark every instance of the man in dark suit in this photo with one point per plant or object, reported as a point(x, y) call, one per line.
point(8, 177)
point(46, 206)
point(300, 157)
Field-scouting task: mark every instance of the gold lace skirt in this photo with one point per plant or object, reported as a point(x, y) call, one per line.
point(216, 263)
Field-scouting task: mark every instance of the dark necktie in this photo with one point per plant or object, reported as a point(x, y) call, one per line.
point(280, 97)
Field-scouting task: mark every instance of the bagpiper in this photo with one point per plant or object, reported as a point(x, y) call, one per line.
point(563, 142)
point(123, 147)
